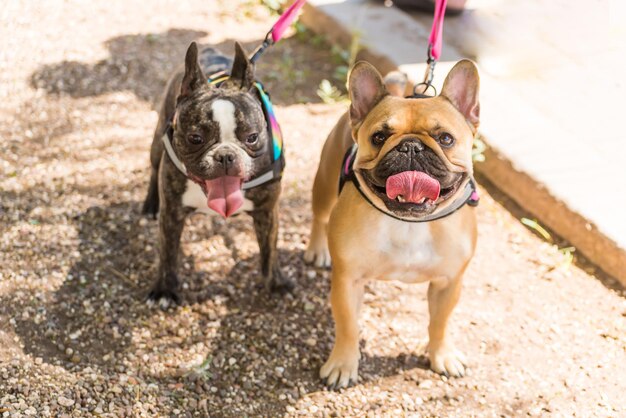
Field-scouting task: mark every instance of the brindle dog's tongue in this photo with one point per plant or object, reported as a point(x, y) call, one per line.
point(224, 195)
point(413, 186)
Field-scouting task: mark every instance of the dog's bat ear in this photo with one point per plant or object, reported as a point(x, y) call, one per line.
point(366, 89)
point(242, 73)
point(461, 89)
point(193, 78)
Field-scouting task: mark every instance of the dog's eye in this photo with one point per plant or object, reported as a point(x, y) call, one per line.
point(378, 138)
point(195, 139)
point(445, 139)
point(252, 139)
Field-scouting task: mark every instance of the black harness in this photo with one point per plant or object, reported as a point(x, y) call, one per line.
point(469, 196)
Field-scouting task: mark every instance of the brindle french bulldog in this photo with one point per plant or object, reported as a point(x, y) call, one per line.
point(219, 141)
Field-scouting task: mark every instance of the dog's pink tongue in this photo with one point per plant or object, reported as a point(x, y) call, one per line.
point(413, 186)
point(224, 195)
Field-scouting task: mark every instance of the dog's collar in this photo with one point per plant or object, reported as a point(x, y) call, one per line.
point(273, 128)
point(469, 195)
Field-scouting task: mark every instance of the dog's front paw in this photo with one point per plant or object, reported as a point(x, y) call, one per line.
point(317, 254)
point(150, 208)
point(447, 360)
point(279, 283)
point(163, 298)
point(341, 369)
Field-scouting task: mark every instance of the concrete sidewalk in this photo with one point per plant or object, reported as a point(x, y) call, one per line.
point(549, 92)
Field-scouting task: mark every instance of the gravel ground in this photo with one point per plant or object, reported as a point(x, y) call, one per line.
point(79, 81)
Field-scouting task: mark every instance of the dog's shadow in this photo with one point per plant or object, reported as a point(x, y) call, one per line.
point(86, 322)
point(90, 319)
point(142, 64)
point(262, 349)
point(267, 350)
point(137, 63)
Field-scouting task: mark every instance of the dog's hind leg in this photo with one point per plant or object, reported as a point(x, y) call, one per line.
point(325, 192)
point(151, 203)
point(323, 201)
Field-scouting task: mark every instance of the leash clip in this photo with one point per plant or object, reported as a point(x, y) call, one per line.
point(429, 74)
point(430, 69)
point(279, 28)
point(267, 42)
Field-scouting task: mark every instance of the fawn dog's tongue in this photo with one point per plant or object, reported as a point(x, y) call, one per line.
point(413, 186)
point(224, 194)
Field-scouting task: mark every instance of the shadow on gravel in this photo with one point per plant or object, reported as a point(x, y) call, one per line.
point(268, 348)
point(137, 63)
point(143, 63)
point(86, 318)
point(90, 319)
point(265, 350)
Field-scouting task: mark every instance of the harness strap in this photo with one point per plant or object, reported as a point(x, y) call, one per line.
point(167, 138)
point(469, 196)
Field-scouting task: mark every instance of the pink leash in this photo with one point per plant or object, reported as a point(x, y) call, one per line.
point(434, 52)
point(436, 32)
point(434, 46)
point(279, 28)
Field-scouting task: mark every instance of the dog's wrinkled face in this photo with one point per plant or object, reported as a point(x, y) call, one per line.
point(220, 134)
point(414, 155)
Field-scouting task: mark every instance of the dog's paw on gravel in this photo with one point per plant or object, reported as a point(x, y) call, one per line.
point(340, 370)
point(319, 256)
point(279, 283)
point(163, 299)
point(447, 360)
point(150, 209)
point(283, 287)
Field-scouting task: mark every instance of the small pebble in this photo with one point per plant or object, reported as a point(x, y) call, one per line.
point(63, 401)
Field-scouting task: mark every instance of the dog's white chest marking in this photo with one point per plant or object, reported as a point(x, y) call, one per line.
point(403, 251)
point(224, 115)
point(194, 198)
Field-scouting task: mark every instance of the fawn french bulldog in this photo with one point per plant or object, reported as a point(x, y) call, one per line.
point(401, 211)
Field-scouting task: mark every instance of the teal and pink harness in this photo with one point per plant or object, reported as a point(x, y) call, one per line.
point(278, 159)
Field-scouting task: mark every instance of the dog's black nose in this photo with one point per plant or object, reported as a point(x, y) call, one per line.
point(225, 158)
point(412, 146)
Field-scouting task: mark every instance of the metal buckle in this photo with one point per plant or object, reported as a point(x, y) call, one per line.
point(425, 88)
point(427, 84)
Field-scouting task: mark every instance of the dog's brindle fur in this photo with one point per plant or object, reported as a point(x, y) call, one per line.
point(190, 96)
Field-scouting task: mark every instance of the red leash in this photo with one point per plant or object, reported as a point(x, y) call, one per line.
point(279, 28)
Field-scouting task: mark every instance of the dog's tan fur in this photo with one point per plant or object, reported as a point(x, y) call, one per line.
point(366, 244)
